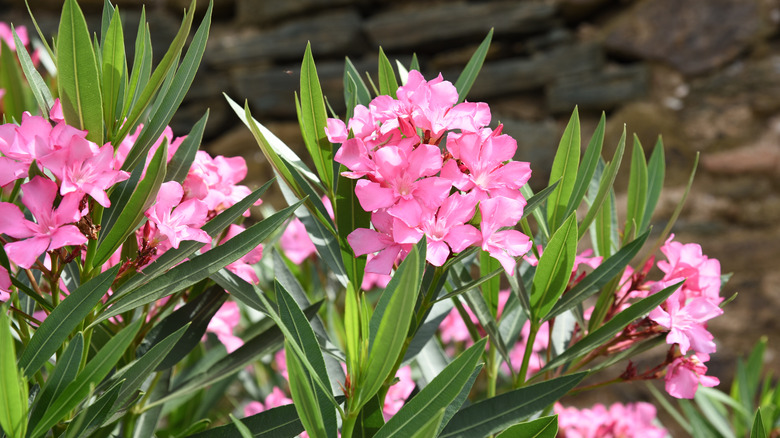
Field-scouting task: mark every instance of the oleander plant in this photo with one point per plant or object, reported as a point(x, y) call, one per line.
point(414, 286)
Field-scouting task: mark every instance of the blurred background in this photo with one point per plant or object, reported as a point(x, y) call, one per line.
point(703, 73)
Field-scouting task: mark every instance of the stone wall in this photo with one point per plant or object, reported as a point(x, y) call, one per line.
point(704, 73)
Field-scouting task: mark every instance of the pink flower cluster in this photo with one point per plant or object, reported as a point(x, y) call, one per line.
point(686, 312)
point(633, 420)
point(414, 187)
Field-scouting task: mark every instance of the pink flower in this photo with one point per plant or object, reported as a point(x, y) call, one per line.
point(243, 266)
point(684, 375)
point(5, 285)
point(633, 420)
point(701, 274)
point(35, 138)
point(214, 181)
point(253, 408)
point(280, 361)
point(177, 221)
point(11, 170)
point(365, 241)
point(276, 398)
point(84, 168)
point(52, 229)
point(223, 323)
point(686, 322)
point(124, 147)
point(295, 242)
point(398, 392)
point(504, 245)
point(371, 280)
point(482, 163)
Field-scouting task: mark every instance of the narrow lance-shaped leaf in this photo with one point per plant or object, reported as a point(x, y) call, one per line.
point(564, 168)
point(281, 422)
point(39, 88)
point(349, 217)
point(545, 427)
point(470, 72)
point(312, 118)
point(637, 191)
point(142, 67)
point(554, 269)
point(13, 387)
point(590, 161)
point(182, 159)
point(363, 96)
point(656, 172)
point(62, 320)
point(388, 84)
point(11, 82)
point(78, 77)
point(114, 70)
point(607, 180)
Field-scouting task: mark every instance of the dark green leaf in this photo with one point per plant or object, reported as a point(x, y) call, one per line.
point(238, 288)
point(656, 172)
point(363, 96)
point(494, 414)
point(349, 217)
point(39, 88)
point(64, 372)
point(281, 422)
point(62, 320)
point(545, 427)
point(11, 82)
point(93, 416)
point(758, 430)
point(182, 159)
point(470, 72)
point(554, 269)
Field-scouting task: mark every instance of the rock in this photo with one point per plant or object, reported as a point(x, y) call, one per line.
point(599, 90)
point(500, 78)
point(576, 10)
point(268, 12)
point(331, 34)
point(445, 23)
point(694, 36)
point(755, 83)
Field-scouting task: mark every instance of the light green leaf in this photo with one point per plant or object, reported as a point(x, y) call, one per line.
point(607, 181)
point(656, 172)
point(564, 167)
point(590, 161)
point(39, 88)
point(197, 268)
point(431, 426)
point(142, 66)
point(114, 70)
point(389, 337)
point(97, 368)
point(494, 414)
point(78, 76)
point(305, 401)
point(242, 429)
point(758, 430)
point(312, 118)
point(607, 331)
point(554, 269)
point(62, 320)
point(388, 84)
point(182, 159)
point(13, 386)
point(362, 96)
point(600, 276)
point(637, 191)
point(11, 81)
point(132, 213)
point(545, 427)
point(349, 217)
point(432, 400)
point(470, 72)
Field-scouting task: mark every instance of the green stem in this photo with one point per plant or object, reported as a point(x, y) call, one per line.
point(97, 217)
point(491, 368)
point(348, 425)
point(529, 348)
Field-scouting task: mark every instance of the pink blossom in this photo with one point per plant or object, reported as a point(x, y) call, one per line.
point(371, 280)
point(701, 273)
point(296, 243)
point(129, 141)
point(214, 181)
point(445, 229)
point(35, 138)
point(84, 168)
point(365, 241)
point(11, 170)
point(52, 229)
point(253, 408)
point(5, 285)
point(243, 266)
point(504, 245)
point(223, 323)
point(280, 362)
point(482, 163)
point(276, 398)
point(633, 420)
point(686, 322)
point(684, 375)
point(177, 221)
point(398, 392)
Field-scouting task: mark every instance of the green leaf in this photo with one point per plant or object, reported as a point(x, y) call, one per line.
point(487, 265)
point(538, 199)
point(362, 95)
point(313, 119)
point(65, 371)
point(370, 419)
point(39, 88)
point(388, 84)
point(196, 314)
point(93, 416)
point(168, 102)
point(349, 217)
point(607, 331)
point(197, 268)
point(564, 168)
point(132, 213)
point(142, 66)
point(149, 90)
point(590, 161)
point(11, 82)
point(174, 256)
point(715, 413)
point(314, 408)
point(238, 288)
point(281, 422)
point(545, 427)
point(120, 197)
point(435, 397)
point(389, 337)
point(63, 319)
point(242, 429)
point(637, 191)
point(758, 426)
point(656, 172)
point(78, 76)
point(605, 227)
point(431, 426)
point(146, 423)
point(477, 304)
point(182, 159)
point(605, 186)
point(491, 415)
point(600, 276)
point(13, 386)
point(470, 72)
point(114, 70)
point(470, 285)
point(554, 269)
point(93, 373)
